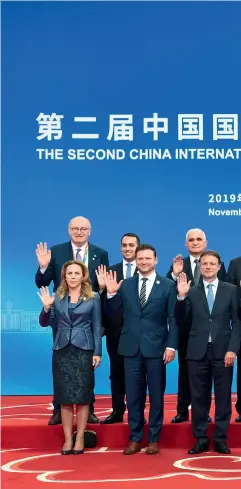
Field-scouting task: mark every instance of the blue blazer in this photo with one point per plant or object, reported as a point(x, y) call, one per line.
point(152, 328)
point(85, 330)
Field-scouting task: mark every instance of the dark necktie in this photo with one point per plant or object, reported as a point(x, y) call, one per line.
point(143, 293)
point(196, 272)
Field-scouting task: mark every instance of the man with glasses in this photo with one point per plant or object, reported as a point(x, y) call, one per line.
point(50, 265)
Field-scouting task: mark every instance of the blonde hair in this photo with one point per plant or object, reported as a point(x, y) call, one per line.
point(86, 291)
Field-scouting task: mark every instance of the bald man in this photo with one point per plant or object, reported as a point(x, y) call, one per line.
point(196, 243)
point(50, 266)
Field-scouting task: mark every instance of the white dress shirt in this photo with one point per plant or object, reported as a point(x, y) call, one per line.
point(82, 253)
point(214, 288)
point(133, 267)
point(149, 283)
point(193, 264)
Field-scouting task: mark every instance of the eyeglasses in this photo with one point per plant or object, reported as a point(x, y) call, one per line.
point(76, 230)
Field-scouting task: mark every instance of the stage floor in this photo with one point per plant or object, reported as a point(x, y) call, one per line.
point(31, 457)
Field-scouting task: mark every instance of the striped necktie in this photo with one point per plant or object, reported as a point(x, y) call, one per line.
point(79, 254)
point(143, 293)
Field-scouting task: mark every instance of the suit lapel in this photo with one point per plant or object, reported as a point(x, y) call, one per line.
point(119, 271)
point(153, 292)
point(220, 296)
point(91, 258)
point(68, 253)
point(65, 305)
point(188, 270)
point(203, 295)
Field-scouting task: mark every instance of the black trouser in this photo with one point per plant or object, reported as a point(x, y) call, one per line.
point(184, 394)
point(117, 374)
point(199, 376)
point(238, 403)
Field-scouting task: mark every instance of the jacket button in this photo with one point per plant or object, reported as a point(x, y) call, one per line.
point(210, 320)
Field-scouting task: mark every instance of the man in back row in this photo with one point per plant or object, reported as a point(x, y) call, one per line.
point(196, 243)
point(113, 325)
point(234, 277)
point(50, 266)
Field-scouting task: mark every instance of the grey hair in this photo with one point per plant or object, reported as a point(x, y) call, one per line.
point(196, 230)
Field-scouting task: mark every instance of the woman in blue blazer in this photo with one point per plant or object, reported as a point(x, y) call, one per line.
point(77, 347)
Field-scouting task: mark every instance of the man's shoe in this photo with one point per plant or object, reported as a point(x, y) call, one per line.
point(55, 419)
point(209, 419)
point(92, 419)
point(152, 449)
point(134, 447)
point(114, 417)
point(180, 417)
point(199, 447)
point(221, 447)
point(238, 419)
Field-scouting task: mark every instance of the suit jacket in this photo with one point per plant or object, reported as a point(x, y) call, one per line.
point(62, 253)
point(188, 271)
point(152, 328)
point(84, 331)
point(223, 323)
point(114, 322)
point(234, 271)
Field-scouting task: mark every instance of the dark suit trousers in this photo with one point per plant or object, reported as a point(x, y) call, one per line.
point(238, 403)
point(55, 404)
point(117, 374)
point(184, 394)
point(138, 372)
point(199, 376)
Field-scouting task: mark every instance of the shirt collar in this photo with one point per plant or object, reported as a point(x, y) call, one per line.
point(151, 277)
point(75, 248)
point(133, 263)
point(214, 283)
point(193, 258)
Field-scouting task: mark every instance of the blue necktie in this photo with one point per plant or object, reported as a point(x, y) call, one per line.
point(210, 297)
point(128, 270)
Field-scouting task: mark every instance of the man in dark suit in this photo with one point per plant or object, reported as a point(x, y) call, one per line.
point(113, 325)
point(210, 313)
point(196, 243)
point(147, 342)
point(50, 266)
point(234, 277)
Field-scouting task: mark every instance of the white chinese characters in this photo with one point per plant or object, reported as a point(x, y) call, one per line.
point(121, 127)
point(49, 126)
point(190, 126)
point(155, 124)
point(225, 126)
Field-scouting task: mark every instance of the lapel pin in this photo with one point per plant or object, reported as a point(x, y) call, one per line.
point(158, 282)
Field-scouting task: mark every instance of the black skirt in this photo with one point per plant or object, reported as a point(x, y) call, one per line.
point(73, 375)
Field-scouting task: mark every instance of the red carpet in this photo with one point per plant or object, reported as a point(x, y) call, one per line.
point(24, 424)
point(31, 458)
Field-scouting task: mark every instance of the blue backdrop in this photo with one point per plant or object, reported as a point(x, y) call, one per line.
point(96, 60)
